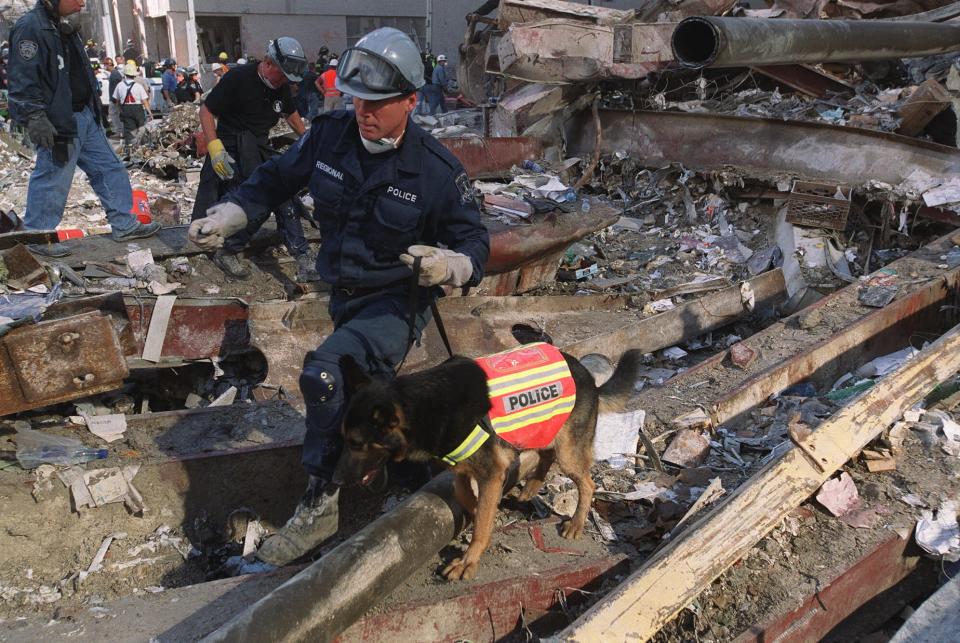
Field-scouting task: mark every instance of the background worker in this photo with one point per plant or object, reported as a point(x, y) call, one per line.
point(222, 67)
point(332, 97)
point(102, 74)
point(53, 93)
point(134, 104)
point(309, 99)
point(130, 51)
point(189, 89)
point(385, 191)
point(236, 118)
point(116, 77)
point(169, 81)
point(437, 89)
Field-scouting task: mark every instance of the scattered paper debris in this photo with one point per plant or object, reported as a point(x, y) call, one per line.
point(108, 427)
point(617, 436)
point(938, 533)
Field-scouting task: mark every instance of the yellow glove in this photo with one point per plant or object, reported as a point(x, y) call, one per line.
point(222, 162)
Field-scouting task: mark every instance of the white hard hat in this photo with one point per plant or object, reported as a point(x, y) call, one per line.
point(241, 61)
point(442, 58)
point(334, 62)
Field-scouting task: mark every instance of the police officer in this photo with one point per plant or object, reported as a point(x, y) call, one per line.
point(236, 118)
point(189, 89)
point(53, 92)
point(385, 192)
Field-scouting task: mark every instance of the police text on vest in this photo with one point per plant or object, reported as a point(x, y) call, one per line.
point(400, 194)
point(533, 396)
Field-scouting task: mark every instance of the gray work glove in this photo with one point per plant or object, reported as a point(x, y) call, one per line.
point(41, 130)
point(439, 266)
point(222, 220)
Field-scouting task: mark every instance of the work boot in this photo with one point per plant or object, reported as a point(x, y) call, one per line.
point(231, 264)
point(307, 268)
point(138, 231)
point(49, 249)
point(315, 520)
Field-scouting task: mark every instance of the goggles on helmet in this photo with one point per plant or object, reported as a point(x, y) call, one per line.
point(377, 73)
point(293, 65)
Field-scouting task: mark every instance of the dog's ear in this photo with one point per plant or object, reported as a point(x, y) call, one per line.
point(354, 377)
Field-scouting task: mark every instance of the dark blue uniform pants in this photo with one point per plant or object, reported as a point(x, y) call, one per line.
point(371, 328)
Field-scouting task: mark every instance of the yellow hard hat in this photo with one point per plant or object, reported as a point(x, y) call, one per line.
point(130, 68)
point(223, 55)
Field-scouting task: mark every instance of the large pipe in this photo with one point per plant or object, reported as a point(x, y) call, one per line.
point(706, 41)
point(331, 594)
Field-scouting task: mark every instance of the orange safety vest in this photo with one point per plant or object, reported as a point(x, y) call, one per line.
point(532, 393)
point(329, 79)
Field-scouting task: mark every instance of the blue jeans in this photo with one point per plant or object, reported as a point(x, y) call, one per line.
point(435, 99)
point(373, 330)
point(50, 181)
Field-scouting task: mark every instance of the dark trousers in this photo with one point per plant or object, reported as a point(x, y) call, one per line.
point(373, 330)
point(249, 152)
point(435, 99)
point(132, 117)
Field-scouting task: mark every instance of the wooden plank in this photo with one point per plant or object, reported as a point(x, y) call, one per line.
point(822, 356)
point(924, 104)
point(157, 333)
point(673, 578)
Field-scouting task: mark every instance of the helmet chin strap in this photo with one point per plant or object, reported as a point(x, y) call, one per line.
point(264, 79)
point(382, 145)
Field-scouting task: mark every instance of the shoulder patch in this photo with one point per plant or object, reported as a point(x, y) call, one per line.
point(465, 188)
point(27, 49)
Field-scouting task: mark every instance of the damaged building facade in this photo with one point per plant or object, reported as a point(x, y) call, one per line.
point(772, 221)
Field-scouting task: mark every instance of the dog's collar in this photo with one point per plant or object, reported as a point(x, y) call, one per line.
point(470, 444)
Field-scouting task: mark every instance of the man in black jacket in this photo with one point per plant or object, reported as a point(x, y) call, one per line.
point(53, 93)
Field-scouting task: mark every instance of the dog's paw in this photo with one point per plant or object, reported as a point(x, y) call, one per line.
point(528, 493)
point(460, 569)
point(571, 530)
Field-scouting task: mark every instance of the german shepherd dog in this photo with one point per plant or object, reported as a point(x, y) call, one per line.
point(427, 414)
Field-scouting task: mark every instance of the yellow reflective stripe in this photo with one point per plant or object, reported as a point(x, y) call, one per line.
point(549, 378)
point(539, 413)
point(468, 447)
point(559, 367)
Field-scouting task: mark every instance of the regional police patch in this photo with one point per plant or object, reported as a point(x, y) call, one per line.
point(27, 48)
point(277, 106)
point(465, 188)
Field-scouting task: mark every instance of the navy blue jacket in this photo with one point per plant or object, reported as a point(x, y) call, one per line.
point(39, 71)
point(421, 195)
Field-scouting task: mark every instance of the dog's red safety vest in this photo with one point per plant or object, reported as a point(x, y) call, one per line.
point(532, 393)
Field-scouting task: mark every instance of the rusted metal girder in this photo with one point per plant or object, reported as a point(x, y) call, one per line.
point(485, 158)
point(488, 612)
point(840, 596)
point(869, 337)
point(514, 246)
point(761, 147)
point(708, 41)
point(59, 360)
point(804, 78)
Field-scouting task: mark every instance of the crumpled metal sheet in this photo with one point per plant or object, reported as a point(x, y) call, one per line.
point(761, 147)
